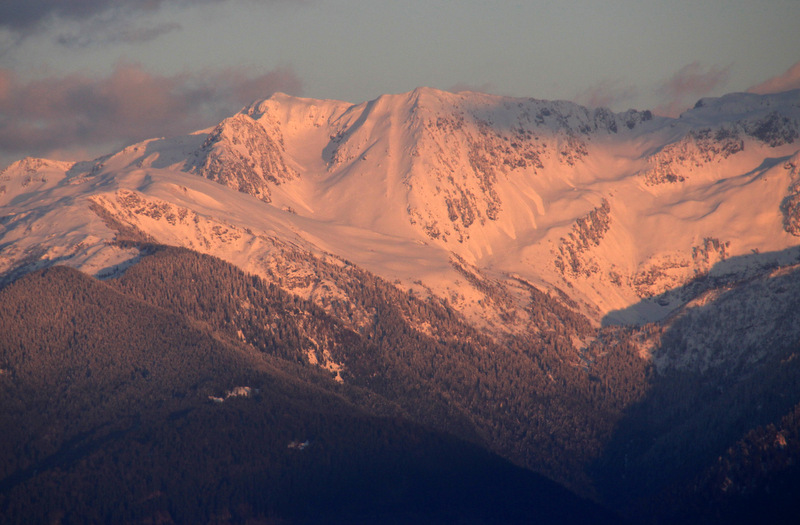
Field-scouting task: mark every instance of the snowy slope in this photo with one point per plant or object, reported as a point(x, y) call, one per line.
point(469, 197)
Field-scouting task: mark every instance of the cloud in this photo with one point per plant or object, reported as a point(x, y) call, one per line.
point(80, 23)
point(605, 94)
point(122, 33)
point(76, 112)
point(688, 84)
point(460, 87)
point(789, 80)
point(99, 22)
point(24, 15)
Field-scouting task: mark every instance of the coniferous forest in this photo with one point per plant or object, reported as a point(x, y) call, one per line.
point(185, 391)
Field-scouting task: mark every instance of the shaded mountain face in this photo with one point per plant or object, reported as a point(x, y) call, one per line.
point(594, 296)
point(117, 410)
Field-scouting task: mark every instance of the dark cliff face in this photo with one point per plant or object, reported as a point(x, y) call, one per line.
point(773, 129)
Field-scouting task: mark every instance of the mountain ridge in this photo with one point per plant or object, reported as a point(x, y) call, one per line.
point(506, 184)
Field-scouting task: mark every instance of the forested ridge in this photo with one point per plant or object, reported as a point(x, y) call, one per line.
point(757, 475)
point(140, 379)
point(527, 398)
point(116, 410)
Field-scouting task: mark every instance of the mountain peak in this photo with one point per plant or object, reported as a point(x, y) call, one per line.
point(33, 164)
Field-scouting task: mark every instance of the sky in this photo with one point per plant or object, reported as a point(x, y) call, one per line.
point(79, 78)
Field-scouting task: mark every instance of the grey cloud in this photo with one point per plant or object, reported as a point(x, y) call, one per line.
point(606, 94)
point(21, 15)
point(24, 15)
point(76, 112)
point(99, 22)
point(126, 34)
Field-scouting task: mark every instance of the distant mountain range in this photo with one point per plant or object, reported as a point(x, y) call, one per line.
point(608, 299)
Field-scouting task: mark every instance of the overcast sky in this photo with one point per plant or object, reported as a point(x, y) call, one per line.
point(79, 78)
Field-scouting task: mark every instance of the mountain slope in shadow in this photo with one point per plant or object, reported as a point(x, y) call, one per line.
point(722, 366)
point(116, 410)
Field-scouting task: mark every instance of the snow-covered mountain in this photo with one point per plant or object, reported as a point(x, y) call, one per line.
point(468, 197)
point(546, 225)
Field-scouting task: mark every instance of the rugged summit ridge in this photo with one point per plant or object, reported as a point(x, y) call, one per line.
point(612, 207)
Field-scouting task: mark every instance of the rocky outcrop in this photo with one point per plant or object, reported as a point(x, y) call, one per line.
point(242, 154)
point(674, 162)
point(790, 206)
point(587, 232)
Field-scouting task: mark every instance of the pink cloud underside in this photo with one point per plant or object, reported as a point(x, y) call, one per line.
point(691, 82)
point(785, 82)
point(130, 104)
